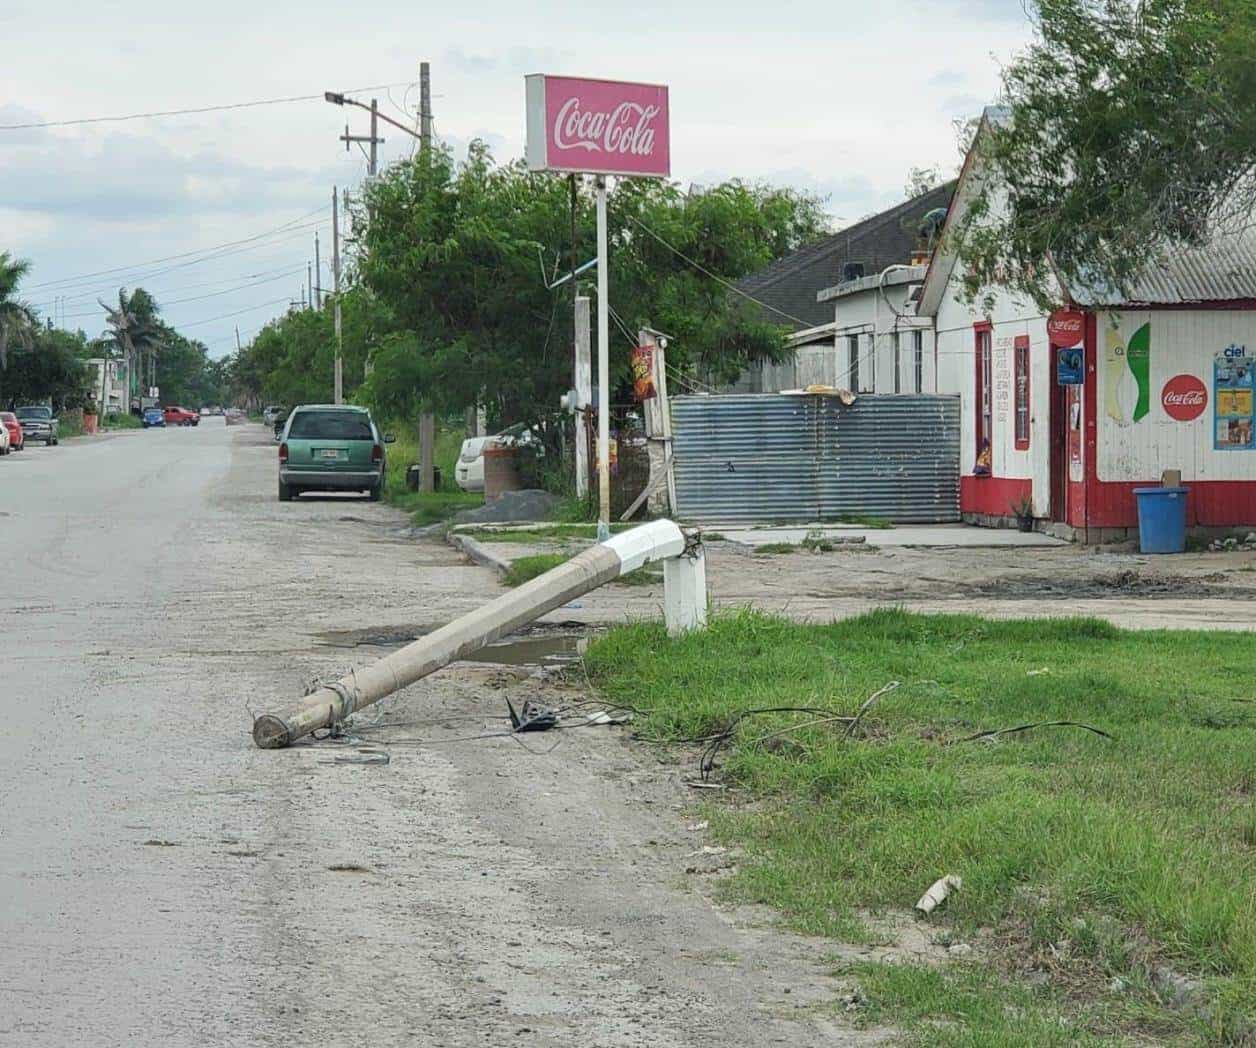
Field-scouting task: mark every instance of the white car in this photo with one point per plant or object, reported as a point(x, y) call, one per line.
point(6, 440)
point(270, 413)
point(469, 469)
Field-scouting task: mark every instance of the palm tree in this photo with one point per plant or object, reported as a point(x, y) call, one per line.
point(17, 319)
point(135, 332)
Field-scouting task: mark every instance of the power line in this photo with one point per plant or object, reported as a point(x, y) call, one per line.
point(287, 299)
point(159, 292)
point(199, 298)
point(286, 227)
point(717, 278)
point(189, 112)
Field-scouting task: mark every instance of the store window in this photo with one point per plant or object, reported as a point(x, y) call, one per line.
point(1020, 390)
point(984, 399)
point(918, 356)
point(852, 373)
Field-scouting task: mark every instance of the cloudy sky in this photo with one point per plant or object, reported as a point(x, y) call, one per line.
point(216, 213)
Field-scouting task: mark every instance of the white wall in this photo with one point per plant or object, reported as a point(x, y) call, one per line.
point(957, 371)
point(855, 316)
point(1181, 342)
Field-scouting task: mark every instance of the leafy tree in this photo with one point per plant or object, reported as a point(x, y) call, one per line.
point(17, 319)
point(1130, 128)
point(455, 253)
point(54, 370)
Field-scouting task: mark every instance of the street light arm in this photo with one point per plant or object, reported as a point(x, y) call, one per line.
point(345, 100)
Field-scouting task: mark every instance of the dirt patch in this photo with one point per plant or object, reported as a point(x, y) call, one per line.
point(1115, 585)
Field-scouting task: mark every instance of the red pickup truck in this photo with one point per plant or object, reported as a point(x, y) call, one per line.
point(177, 416)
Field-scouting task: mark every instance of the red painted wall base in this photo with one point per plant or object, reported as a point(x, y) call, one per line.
point(1210, 504)
point(993, 496)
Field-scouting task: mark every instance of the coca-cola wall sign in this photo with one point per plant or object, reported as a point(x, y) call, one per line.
point(601, 127)
point(1184, 398)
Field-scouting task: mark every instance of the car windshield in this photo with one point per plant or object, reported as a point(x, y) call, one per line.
point(44, 413)
point(8, 416)
point(331, 425)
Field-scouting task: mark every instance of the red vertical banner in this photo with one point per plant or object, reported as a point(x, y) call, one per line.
point(643, 373)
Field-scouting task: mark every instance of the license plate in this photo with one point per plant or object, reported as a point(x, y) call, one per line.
point(331, 453)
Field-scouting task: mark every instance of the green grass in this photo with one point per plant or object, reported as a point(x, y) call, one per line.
point(549, 533)
point(431, 507)
point(1088, 857)
point(866, 522)
point(121, 421)
point(524, 569)
point(527, 568)
point(777, 547)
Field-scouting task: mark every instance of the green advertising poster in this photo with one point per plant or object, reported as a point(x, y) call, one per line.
point(1138, 358)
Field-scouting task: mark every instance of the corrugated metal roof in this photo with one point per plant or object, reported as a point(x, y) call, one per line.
point(1220, 271)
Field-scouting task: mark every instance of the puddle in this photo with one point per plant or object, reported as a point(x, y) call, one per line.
point(533, 651)
point(543, 644)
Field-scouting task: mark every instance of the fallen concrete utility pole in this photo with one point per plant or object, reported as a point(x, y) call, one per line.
point(684, 604)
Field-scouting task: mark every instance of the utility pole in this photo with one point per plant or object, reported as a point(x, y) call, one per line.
point(427, 421)
point(338, 380)
point(584, 394)
point(318, 276)
point(373, 138)
point(603, 373)
point(237, 327)
point(309, 281)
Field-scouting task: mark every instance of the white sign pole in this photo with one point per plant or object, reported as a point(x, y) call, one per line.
point(603, 373)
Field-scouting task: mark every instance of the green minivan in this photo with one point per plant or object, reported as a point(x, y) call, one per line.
point(331, 447)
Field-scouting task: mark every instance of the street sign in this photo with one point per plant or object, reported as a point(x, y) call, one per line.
point(597, 127)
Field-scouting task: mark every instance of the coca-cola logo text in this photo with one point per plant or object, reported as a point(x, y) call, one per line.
point(1184, 398)
point(625, 129)
point(1065, 327)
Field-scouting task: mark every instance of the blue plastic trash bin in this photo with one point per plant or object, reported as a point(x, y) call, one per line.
point(1161, 519)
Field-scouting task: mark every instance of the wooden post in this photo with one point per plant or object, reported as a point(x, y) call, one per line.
point(427, 451)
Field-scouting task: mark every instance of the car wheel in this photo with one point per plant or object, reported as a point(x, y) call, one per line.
point(285, 492)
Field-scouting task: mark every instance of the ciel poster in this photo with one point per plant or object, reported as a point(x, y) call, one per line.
point(1232, 400)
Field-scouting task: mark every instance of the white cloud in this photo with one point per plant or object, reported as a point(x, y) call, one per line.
point(838, 97)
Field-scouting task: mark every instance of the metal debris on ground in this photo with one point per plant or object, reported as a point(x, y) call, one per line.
point(363, 755)
point(532, 717)
point(995, 733)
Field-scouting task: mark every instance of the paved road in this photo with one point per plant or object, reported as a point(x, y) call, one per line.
point(163, 883)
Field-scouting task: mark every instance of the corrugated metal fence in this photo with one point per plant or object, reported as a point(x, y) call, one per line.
point(802, 457)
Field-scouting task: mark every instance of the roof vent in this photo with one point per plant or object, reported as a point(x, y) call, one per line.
point(852, 271)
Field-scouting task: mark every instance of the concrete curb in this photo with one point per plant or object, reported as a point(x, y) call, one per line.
point(477, 552)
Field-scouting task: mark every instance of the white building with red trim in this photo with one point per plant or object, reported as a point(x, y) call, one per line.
point(1166, 384)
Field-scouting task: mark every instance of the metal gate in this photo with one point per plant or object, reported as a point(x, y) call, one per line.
point(804, 457)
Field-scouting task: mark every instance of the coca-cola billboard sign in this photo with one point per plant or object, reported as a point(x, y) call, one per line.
point(1184, 398)
point(601, 127)
point(1066, 327)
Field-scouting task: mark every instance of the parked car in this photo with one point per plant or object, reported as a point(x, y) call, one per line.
point(328, 447)
point(281, 420)
point(469, 469)
point(10, 422)
point(38, 423)
point(180, 416)
point(153, 417)
point(5, 440)
point(271, 413)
